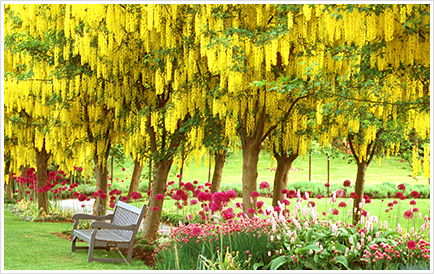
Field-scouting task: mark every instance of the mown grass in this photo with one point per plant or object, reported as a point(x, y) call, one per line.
point(34, 246)
point(391, 170)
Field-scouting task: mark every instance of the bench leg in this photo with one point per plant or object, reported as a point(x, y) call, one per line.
point(73, 240)
point(91, 248)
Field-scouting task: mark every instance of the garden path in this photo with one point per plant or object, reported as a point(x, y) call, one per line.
point(75, 205)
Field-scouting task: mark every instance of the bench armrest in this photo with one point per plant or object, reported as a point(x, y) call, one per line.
point(97, 224)
point(81, 216)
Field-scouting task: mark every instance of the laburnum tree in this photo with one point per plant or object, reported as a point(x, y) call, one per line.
point(381, 98)
point(66, 85)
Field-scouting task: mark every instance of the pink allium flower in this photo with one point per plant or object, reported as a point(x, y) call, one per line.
point(170, 183)
point(87, 199)
point(414, 194)
point(195, 182)
point(319, 196)
point(395, 202)
point(255, 194)
point(82, 197)
point(390, 204)
point(411, 244)
point(193, 202)
point(286, 202)
point(340, 192)
point(159, 197)
point(327, 185)
point(398, 195)
point(401, 187)
point(155, 208)
point(103, 196)
point(178, 175)
point(250, 211)
point(189, 186)
point(228, 216)
point(291, 192)
point(31, 199)
point(80, 169)
point(75, 168)
point(113, 191)
point(83, 205)
point(215, 206)
point(284, 191)
point(264, 185)
point(415, 209)
point(412, 202)
point(408, 214)
point(277, 208)
point(347, 183)
point(312, 203)
point(334, 211)
point(342, 204)
point(123, 169)
point(231, 194)
point(259, 204)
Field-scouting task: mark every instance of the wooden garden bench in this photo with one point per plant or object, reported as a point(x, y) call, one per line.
point(119, 232)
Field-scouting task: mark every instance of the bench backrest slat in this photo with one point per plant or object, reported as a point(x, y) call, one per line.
point(125, 214)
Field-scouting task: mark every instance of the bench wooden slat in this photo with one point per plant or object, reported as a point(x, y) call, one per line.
point(125, 222)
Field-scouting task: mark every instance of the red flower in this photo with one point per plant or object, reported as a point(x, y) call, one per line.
point(318, 196)
point(82, 197)
point(103, 196)
point(327, 185)
point(367, 201)
point(250, 211)
point(347, 183)
point(291, 192)
point(170, 183)
point(390, 204)
point(178, 175)
point(413, 202)
point(113, 191)
point(334, 211)
point(259, 204)
point(231, 194)
point(354, 195)
point(155, 208)
point(284, 191)
point(401, 187)
point(189, 186)
point(286, 202)
point(193, 202)
point(411, 244)
point(255, 194)
point(414, 194)
point(408, 214)
point(264, 185)
point(277, 208)
point(159, 197)
point(342, 204)
point(395, 202)
point(415, 209)
point(312, 203)
point(398, 195)
point(123, 169)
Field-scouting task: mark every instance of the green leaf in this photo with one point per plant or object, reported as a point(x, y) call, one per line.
point(276, 263)
point(257, 265)
point(307, 248)
point(341, 259)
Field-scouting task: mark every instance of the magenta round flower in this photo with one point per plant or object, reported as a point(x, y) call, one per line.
point(414, 194)
point(264, 185)
point(284, 191)
point(193, 202)
point(250, 211)
point(412, 202)
point(255, 194)
point(312, 203)
point(155, 208)
point(340, 192)
point(342, 204)
point(411, 244)
point(231, 194)
point(334, 211)
point(82, 197)
point(159, 197)
point(286, 202)
point(408, 214)
point(170, 183)
point(259, 204)
point(215, 206)
point(401, 187)
point(277, 208)
point(319, 196)
point(415, 209)
point(327, 185)
point(123, 169)
point(103, 196)
point(399, 195)
point(347, 183)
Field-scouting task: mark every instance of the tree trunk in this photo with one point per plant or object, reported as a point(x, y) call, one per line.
point(152, 219)
point(9, 187)
point(135, 180)
point(284, 163)
point(359, 190)
point(220, 159)
point(251, 151)
point(101, 172)
point(42, 165)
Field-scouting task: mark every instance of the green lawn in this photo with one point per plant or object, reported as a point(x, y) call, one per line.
point(391, 170)
point(33, 246)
